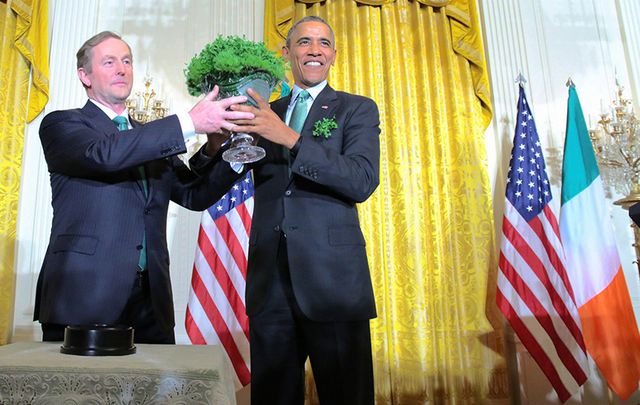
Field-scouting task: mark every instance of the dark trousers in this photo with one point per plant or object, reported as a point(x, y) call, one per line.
point(138, 313)
point(282, 338)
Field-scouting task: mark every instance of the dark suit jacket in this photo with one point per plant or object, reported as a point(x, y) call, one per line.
point(634, 213)
point(316, 208)
point(100, 212)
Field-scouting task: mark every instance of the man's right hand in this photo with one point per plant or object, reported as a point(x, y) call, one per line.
point(267, 124)
point(211, 115)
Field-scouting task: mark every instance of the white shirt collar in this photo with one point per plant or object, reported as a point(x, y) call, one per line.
point(313, 91)
point(110, 113)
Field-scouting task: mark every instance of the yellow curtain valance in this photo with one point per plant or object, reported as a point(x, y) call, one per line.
point(466, 39)
point(284, 10)
point(433, 3)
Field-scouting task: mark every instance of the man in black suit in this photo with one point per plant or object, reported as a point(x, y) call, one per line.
point(309, 291)
point(112, 179)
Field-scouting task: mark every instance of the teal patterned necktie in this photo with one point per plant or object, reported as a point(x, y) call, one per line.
point(121, 122)
point(123, 125)
point(298, 116)
point(299, 113)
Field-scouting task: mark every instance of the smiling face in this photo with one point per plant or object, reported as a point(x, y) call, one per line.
point(109, 77)
point(311, 52)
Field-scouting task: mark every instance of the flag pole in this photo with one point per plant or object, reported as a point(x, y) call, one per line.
point(570, 82)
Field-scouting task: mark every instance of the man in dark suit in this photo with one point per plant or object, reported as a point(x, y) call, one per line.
point(309, 291)
point(107, 261)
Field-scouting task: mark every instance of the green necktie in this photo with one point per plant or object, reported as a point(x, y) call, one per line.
point(123, 125)
point(299, 113)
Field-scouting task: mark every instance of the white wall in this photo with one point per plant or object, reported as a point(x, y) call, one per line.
point(593, 42)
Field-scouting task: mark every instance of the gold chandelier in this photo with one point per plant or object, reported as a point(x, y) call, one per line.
point(146, 106)
point(616, 142)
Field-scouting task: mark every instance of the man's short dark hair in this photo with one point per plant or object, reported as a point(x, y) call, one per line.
point(308, 19)
point(84, 54)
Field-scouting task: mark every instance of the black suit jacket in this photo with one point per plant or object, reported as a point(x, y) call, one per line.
point(634, 213)
point(316, 208)
point(100, 212)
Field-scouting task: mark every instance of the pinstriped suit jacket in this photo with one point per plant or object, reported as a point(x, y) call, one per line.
point(100, 212)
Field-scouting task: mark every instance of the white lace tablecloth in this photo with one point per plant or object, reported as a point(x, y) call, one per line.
point(37, 373)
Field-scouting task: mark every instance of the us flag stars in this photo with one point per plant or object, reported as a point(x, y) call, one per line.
point(530, 191)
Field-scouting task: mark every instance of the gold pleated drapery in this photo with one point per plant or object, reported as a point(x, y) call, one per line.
point(429, 226)
point(24, 71)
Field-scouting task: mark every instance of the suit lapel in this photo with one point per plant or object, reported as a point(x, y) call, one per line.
point(280, 108)
point(98, 118)
point(103, 124)
point(323, 106)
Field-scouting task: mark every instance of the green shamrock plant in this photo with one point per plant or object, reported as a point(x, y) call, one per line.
point(324, 126)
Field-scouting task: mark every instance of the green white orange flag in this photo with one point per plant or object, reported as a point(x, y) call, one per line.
point(593, 264)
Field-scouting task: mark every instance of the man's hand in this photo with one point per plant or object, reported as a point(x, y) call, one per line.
point(266, 123)
point(214, 142)
point(213, 116)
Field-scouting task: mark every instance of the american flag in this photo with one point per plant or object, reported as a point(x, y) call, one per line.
point(534, 293)
point(216, 308)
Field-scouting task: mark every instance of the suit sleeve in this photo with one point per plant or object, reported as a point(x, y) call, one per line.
point(81, 146)
point(351, 167)
point(204, 184)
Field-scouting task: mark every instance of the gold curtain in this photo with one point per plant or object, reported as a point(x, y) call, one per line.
point(24, 71)
point(429, 226)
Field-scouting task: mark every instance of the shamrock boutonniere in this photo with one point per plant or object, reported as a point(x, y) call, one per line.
point(324, 126)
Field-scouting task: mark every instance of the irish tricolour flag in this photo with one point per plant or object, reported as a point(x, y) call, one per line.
point(608, 323)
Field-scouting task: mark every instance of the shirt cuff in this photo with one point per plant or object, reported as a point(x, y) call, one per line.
point(237, 167)
point(186, 124)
